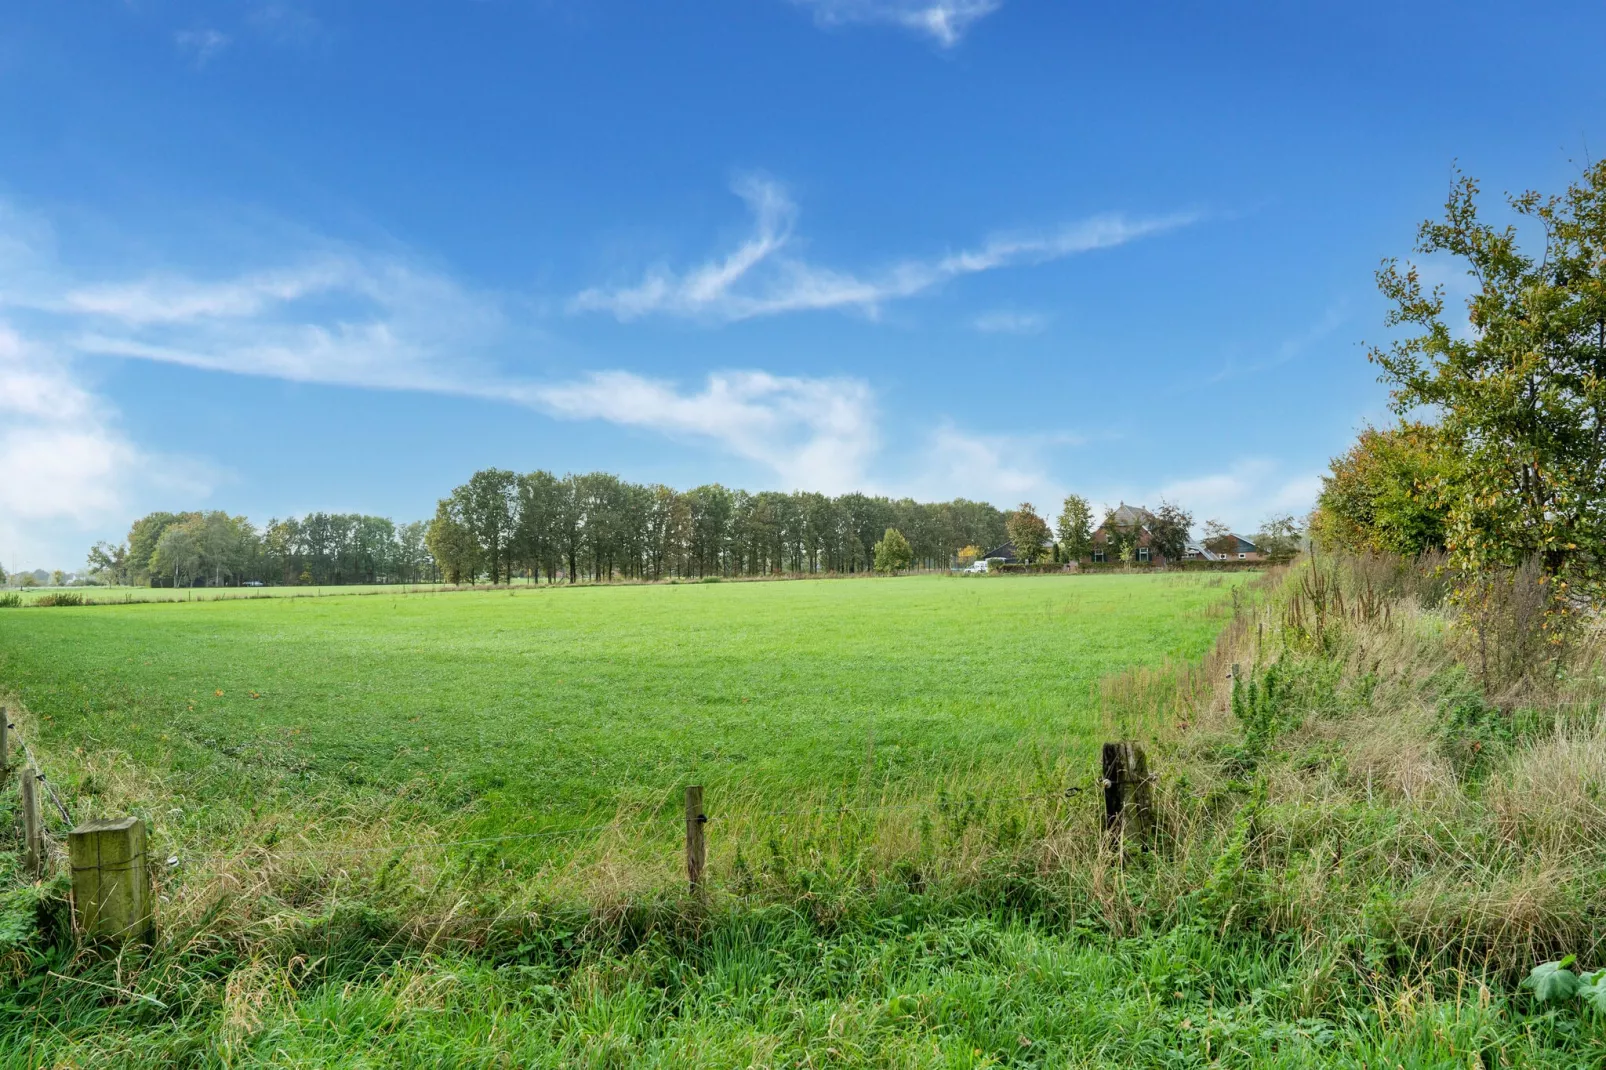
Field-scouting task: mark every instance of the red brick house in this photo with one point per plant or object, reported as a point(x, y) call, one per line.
point(1128, 518)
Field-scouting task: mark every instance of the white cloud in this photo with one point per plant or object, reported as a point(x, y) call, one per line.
point(1242, 493)
point(944, 21)
point(814, 433)
point(59, 456)
point(340, 317)
point(64, 463)
point(174, 299)
point(1005, 469)
point(346, 317)
point(202, 44)
point(761, 278)
point(1007, 321)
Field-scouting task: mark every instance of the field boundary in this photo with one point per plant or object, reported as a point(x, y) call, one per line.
point(357, 590)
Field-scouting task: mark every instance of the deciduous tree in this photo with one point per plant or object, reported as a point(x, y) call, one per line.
point(1522, 395)
point(1075, 527)
point(1028, 531)
point(178, 552)
point(1218, 538)
point(893, 553)
point(1168, 530)
point(1387, 494)
point(453, 544)
point(1279, 538)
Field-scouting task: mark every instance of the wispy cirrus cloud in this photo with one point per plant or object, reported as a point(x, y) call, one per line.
point(201, 45)
point(1009, 321)
point(944, 21)
point(763, 277)
point(401, 328)
point(338, 315)
point(1290, 349)
point(341, 317)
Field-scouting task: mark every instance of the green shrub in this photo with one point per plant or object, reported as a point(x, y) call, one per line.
point(10, 600)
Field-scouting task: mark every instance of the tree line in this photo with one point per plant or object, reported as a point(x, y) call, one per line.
point(213, 548)
point(596, 526)
point(500, 525)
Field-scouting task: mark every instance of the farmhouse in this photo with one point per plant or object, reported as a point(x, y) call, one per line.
point(1228, 547)
point(1128, 520)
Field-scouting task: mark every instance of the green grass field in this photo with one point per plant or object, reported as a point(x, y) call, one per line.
point(898, 875)
point(565, 702)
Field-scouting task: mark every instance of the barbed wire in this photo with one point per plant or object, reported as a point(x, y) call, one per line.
point(511, 837)
point(394, 848)
point(39, 772)
point(957, 800)
point(954, 801)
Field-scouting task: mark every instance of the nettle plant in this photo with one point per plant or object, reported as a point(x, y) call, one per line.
point(1556, 983)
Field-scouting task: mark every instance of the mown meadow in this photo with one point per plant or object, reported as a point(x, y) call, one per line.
point(535, 705)
point(1361, 847)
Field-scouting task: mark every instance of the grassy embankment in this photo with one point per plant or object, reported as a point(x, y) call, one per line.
point(1355, 868)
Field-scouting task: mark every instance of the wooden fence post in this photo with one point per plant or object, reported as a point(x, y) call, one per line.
point(5, 745)
point(111, 881)
point(696, 842)
point(1128, 791)
point(33, 830)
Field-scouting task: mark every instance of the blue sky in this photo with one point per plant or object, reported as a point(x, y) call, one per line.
point(272, 258)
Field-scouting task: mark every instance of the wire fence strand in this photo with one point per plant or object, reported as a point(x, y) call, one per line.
point(959, 801)
point(397, 848)
point(33, 763)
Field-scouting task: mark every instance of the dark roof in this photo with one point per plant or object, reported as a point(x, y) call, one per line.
point(1006, 552)
point(1242, 546)
point(1131, 516)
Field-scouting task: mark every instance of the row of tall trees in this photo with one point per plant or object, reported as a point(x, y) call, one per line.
point(215, 549)
point(1499, 457)
point(596, 526)
point(501, 524)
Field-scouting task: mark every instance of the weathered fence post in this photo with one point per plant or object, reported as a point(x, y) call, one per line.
point(111, 882)
point(33, 829)
point(696, 843)
point(1128, 791)
point(5, 745)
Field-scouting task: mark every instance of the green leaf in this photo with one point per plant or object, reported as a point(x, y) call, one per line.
point(1592, 990)
point(1553, 981)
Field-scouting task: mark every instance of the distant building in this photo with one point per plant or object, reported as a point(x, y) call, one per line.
point(1004, 555)
point(1229, 547)
point(1128, 519)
